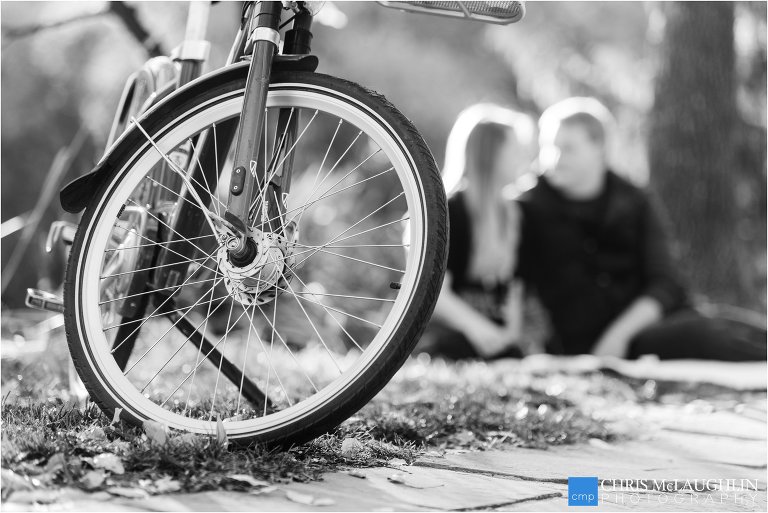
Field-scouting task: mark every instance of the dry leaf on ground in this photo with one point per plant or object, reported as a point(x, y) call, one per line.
point(93, 433)
point(156, 432)
point(245, 478)
point(351, 448)
point(116, 416)
point(130, 493)
point(166, 484)
point(93, 479)
point(221, 433)
point(109, 461)
point(309, 500)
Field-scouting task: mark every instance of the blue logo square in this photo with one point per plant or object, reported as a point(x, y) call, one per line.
point(582, 491)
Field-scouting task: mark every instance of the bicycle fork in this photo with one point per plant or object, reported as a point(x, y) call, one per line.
point(248, 167)
point(251, 173)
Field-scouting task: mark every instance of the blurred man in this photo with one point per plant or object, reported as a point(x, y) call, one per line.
point(594, 249)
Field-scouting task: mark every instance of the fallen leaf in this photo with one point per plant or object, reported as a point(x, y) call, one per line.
point(221, 433)
point(166, 484)
point(119, 445)
point(130, 493)
point(116, 416)
point(94, 433)
point(309, 500)
point(400, 479)
point(465, 437)
point(356, 473)
point(186, 439)
point(109, 461)
point(42, 496)
point(157, 433)
point(93, 479)
point(12, 482)
point(56, 462)
point(244, 478)
point(602, 444)
point(301, 498)
point(351, 448)
point(259, 491)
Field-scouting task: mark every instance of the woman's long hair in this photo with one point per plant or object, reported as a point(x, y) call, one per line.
point(475, 138)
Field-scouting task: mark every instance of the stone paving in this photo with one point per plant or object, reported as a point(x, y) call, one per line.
point(697, 441)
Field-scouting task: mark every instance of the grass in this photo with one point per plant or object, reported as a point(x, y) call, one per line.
point(430, 406)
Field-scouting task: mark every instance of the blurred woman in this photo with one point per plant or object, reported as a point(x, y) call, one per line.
point(478, 312)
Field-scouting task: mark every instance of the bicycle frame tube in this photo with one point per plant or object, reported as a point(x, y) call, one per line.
point(194, 50)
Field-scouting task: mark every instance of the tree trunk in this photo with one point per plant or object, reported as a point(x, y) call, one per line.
point(692, 140)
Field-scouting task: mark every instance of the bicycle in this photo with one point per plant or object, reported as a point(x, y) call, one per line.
point(217, 194)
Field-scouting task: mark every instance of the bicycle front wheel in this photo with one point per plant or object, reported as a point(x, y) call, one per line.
point(329, 312)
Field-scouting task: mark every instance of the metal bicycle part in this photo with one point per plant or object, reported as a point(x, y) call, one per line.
point(368, 142)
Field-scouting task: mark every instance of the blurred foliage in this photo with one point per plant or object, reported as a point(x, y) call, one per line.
point(58, 79)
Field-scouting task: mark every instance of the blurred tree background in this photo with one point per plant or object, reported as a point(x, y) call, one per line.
point(686, 82)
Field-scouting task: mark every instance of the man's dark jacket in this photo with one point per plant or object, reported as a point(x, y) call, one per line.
point(588, 260)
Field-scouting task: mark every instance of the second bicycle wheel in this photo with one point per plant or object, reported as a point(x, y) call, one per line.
point(292, 346)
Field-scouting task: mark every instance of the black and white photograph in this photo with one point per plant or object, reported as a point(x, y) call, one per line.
point(383, 256)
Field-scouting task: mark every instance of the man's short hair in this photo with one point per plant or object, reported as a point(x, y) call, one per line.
point(586, 112)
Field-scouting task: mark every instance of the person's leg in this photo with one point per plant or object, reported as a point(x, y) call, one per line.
point(688, 334)
point(441, 340)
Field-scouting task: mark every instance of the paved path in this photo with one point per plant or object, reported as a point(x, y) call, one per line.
point(702, 440)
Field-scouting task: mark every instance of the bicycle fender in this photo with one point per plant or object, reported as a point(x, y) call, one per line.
point(76, 195)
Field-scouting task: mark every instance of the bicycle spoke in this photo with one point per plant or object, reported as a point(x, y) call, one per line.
point(271, 173)
point(334, 318)
point(161, 314)
point(153, 244)
point(171, 228)
point(218, 372)
point(181, 173)
point(201, 362)
point(215, 199)
point(300, 296)
point(223, 337)
point(285, 344)
point(333, 246)
point(189, 261)
point(168, 331)
point(174, 192)
point(329, 194)
point(154, 290)
point(323, 250)
point(216, 155)
point(343, 295)
point(197, 358)
point(167, 249)
point(314, 328)
point(277, 376)
point(154, 312)
point(336, 238)
point(245, 363)
point(271, 347)
point(325, 194)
